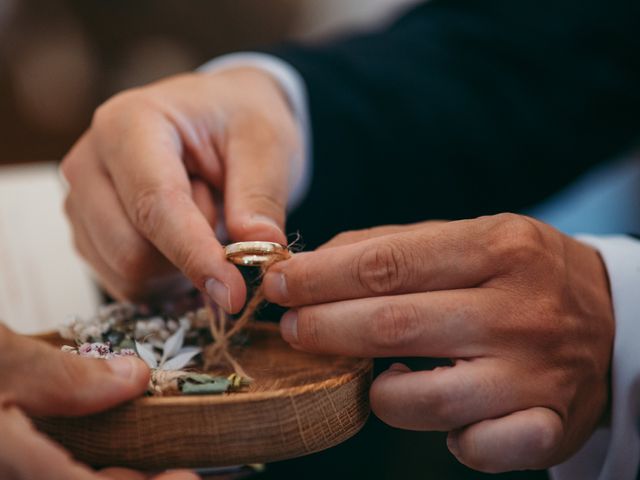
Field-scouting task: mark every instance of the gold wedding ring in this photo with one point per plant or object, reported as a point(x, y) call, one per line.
point(255, 254)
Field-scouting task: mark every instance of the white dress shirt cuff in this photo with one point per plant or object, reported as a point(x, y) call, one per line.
point(613, 453)
point(294, 88)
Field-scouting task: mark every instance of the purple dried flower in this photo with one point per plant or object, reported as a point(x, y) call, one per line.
point(85, 348)
point(103, 349)
point(127, 352)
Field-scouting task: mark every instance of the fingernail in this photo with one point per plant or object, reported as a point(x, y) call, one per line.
point(275, 287)
point(452, 444)
point(289, 326)
point(219, 293)
point(123, 367)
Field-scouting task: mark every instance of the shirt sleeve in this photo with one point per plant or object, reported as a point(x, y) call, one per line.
point(294, 89)
point(613, 453)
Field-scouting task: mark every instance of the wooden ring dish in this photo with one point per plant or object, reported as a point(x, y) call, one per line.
point(298, 404)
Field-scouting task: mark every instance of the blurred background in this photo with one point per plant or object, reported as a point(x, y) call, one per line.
point(59, 59)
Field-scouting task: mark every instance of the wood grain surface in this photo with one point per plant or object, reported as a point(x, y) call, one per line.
point(298, 404)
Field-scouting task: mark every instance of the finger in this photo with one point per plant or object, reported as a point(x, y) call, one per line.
point(257, 182)
point(527, 439)
point(159, 288)
point(148, 173)
point(26, 454)
point(448, 397)
point(347, 238)
point(204, 200)
point(46, 381)
point(116, 286)
point(93, 202)
point(435, 324)
point(437, 257)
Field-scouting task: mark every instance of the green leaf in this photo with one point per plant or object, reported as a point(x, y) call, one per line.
point(201, 378)
point(217, 386)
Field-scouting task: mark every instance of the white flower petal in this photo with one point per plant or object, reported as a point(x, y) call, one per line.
point(181, 359)
point(173, 345)
point(147, 355)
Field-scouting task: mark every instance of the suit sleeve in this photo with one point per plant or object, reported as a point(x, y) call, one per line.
point(466, 107)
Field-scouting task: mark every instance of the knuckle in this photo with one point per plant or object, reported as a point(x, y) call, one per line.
point(267, 202)
point(382, 269)
point(308, 331)
point(121, 112)
point(188, 260)
point(544, 438)
point(111, 109)
point(105, 113)
point(517, 239)
point(68, 169)
point(304, 285)
point(146, 206)
point(394, 325)
point(149, 206)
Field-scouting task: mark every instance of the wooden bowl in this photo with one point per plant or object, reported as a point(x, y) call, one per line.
point(298, 404)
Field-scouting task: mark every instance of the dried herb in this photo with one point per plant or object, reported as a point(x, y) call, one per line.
point(159, 342)
point(170, 343)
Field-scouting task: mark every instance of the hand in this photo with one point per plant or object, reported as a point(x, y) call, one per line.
point(146, 181)
point(523, 311)
point(39, 380)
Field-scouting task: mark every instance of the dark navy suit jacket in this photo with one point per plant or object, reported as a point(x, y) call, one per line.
point(466, 107)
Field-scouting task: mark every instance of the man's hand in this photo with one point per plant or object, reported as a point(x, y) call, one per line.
point(39, 380)
point(149, 176)
point(523, 311)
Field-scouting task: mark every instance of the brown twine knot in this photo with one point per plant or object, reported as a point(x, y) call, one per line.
point(164, 382)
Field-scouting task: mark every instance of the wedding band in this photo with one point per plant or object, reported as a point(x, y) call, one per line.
point(254, 254)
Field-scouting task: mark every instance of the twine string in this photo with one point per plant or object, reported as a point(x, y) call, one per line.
point(218, 352)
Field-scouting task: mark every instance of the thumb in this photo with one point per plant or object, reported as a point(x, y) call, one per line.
point(45, 381)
